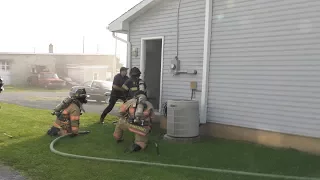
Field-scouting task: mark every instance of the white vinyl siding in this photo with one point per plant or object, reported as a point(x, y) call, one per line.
point(265, 65)
point(162, 21)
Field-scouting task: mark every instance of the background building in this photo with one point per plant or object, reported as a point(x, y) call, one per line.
point(15, 68)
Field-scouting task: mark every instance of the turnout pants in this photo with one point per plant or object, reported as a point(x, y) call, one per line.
point(112, 101)
point(141, 133)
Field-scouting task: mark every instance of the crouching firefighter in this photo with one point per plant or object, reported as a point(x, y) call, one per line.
point(133, 120)
point(68, 114)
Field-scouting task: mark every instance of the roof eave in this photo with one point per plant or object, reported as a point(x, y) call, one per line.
point(119, 27)
point(121, 24)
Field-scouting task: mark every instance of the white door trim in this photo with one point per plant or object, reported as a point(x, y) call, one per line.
point(143, 62)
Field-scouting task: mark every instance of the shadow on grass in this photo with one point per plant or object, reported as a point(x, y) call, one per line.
point(29, 152)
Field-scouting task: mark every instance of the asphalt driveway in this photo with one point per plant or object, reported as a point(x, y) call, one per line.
point(48, 100)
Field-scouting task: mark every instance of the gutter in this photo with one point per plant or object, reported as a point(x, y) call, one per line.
point(206, 61)
point(128, 49)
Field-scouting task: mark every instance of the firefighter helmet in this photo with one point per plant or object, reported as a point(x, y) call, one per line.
point(79, 93)
point(135, 71)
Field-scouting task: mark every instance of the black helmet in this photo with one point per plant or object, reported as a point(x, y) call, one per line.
point(135, 71)
point(79, 93)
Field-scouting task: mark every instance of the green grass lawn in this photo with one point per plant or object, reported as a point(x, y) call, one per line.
point(26, 88)
point(28, 151)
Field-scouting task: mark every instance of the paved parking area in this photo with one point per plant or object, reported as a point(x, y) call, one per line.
point(7, 173)
point(48, 100)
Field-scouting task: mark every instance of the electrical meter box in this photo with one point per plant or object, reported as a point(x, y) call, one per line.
point(193, 85)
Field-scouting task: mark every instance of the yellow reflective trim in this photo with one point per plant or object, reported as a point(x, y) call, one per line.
point(138, 128)
point(125, 87)
point(134, 89)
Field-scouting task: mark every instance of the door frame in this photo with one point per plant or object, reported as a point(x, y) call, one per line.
point(143, 62)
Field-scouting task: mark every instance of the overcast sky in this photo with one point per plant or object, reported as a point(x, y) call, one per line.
point(28, 25)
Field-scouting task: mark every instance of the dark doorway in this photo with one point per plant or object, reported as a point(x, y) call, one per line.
point(153, 70)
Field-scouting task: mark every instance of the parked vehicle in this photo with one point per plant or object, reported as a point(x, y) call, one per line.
point(70, 82)
point(46, 79)
point(97, 90)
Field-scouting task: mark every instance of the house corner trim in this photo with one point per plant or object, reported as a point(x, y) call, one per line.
point(206, 61)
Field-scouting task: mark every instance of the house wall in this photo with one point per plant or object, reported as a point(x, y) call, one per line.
point(162, 21)
point(264, 66)
point(76, 74)
point(84, 74)
point(88, 73)
point(88, 60)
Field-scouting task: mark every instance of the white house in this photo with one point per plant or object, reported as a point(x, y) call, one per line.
point(256, 64)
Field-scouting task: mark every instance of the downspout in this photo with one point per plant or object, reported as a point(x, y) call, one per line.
point(206, 61)
point(128, 49)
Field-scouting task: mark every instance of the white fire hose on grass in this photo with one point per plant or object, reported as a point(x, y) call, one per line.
point(225, 171)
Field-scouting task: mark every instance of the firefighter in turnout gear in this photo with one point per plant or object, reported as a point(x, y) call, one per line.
point(1, 85)
point(68, 114)
point(141, 128)
point(134, 85)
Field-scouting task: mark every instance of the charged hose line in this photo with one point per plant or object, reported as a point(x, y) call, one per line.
point(225, 171)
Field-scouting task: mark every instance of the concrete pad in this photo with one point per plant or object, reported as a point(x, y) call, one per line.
point(181, 140)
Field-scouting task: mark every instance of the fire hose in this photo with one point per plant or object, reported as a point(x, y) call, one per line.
point(214, 170)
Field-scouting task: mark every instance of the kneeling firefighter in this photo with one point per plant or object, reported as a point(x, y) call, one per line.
point(130, 111)
point(68, 114)
point(1, 85)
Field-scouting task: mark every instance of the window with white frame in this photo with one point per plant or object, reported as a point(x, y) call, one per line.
point(5, 65)
point(95, 76)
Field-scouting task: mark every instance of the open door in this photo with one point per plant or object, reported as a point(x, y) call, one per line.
point(151, 68)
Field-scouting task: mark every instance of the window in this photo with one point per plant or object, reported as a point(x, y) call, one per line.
point(5, 66)
point(95, 84)
point(106, 85)
point(49, 76)
point(95, 76)
point(87, 84)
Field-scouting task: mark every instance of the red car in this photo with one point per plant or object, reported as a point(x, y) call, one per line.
point(46, 80)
